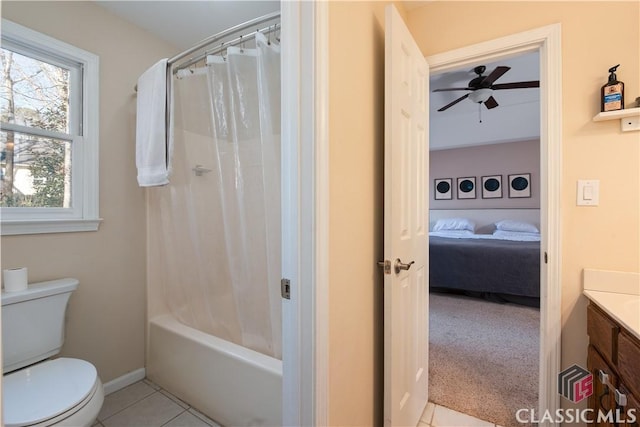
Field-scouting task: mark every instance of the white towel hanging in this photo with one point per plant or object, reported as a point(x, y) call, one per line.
point(152, 147)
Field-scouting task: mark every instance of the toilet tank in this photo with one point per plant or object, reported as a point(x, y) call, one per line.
point(33, 322)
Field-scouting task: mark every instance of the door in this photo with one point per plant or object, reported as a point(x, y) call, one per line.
point(406, 237)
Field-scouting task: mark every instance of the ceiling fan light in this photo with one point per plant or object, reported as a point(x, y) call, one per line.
point(480, 95)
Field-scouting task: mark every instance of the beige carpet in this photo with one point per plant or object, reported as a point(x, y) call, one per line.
point(483, 357)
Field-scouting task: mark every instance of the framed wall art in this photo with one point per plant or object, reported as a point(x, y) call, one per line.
point(467, 187)
point(492, 187)
point(520, 185)
point(442, 189)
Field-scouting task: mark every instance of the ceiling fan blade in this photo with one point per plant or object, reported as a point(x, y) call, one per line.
point(452, 88)
point(491, 103)
point(495, 75)
point(451, 104)
point(516, 85)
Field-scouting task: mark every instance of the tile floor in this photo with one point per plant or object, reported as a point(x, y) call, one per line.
point(144, 404)
point(439, 416)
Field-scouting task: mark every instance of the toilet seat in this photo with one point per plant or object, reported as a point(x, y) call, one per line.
point(48, 392)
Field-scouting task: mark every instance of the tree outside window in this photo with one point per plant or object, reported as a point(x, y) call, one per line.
point(35, 145)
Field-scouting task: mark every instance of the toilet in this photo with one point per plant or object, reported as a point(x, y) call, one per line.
point(37, 390)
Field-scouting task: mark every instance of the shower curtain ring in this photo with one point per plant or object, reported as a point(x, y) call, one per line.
point(223, 52)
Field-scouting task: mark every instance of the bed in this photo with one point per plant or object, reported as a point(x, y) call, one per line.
point(484, 266)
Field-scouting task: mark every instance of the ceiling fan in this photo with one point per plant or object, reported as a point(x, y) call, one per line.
point(482, 87)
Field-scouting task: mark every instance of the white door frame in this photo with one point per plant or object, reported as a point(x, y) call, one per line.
point(547, 41)
point(305, 203)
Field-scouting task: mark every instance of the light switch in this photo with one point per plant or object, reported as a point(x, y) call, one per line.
point(588, 192)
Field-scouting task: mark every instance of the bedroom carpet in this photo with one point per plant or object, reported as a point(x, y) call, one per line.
point(483, 357)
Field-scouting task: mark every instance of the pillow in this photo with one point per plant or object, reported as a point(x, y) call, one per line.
point(514, 225)
point(457, 234)
point(454, 224)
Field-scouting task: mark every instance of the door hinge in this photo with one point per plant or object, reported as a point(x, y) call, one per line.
point(386, 265)
point(546, 258)
point(285, 288)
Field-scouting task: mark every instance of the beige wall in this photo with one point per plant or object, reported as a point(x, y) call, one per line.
point(606, 236)
point(356, 133)
point(106, 315)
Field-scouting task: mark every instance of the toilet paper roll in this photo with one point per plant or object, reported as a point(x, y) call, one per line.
point(15, 279)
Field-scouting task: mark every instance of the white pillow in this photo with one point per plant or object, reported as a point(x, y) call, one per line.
point(454, 224)
point(457, 234)
point(514, 225)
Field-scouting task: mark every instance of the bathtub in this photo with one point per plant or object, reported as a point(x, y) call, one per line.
point(233, 385)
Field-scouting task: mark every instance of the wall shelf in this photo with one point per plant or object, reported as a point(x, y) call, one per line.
point(629, 118)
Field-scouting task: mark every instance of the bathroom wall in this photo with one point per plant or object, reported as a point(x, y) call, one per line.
point(607, 236)
point(487, 160)
point(106, 315)
point(356, 206)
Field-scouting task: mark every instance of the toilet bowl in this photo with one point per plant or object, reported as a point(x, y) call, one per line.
point(64, 392)
point(37, 390)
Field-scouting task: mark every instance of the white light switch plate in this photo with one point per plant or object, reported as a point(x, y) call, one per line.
point(588, 192)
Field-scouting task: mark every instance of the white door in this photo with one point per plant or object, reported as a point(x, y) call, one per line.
point(406, 226)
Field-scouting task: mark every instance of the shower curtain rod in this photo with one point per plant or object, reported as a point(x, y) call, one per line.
point(223, 46)
point(217, 37)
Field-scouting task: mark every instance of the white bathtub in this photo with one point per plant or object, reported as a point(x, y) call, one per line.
point(233, 385)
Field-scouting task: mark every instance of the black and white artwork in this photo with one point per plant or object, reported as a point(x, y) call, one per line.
point(467, 187)
point(492, 187)
point(520, 185)
point(442, 189)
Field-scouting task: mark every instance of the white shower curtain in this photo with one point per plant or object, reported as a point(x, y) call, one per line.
point(215, 230)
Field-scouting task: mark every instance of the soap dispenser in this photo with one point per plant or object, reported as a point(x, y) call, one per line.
point(612, 93)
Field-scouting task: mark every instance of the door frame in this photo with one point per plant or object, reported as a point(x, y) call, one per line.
point(305, 211)
point(547, 41)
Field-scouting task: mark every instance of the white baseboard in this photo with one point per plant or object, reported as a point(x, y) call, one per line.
point(124, 380)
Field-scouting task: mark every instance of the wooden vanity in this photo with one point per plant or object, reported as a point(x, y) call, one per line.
point(614, 355)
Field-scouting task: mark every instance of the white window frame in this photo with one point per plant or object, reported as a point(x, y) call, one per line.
point(83, 214)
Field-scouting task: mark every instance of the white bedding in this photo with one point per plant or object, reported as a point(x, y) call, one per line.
point(497, 235)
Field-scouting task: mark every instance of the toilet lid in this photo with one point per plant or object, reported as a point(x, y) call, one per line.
point(45, 390)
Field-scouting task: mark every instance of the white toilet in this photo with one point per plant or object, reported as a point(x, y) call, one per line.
point(38, 391)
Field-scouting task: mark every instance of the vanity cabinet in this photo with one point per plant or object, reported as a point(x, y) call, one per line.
point(614, 361)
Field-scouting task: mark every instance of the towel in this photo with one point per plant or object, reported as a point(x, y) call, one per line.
point(152, 145)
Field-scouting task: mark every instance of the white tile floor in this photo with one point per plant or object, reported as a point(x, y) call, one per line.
point(439, 416)
point(144, 404)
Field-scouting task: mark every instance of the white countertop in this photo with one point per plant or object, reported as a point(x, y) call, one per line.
point(618, 294)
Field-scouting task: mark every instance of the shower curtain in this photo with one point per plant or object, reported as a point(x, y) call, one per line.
point(214, 230)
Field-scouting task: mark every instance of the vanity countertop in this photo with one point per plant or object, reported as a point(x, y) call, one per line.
point(618, 294)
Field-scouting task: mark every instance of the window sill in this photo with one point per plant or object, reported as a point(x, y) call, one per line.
point(17, 227)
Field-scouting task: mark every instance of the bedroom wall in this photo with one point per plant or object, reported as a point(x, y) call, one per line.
point(494, 159)
point(604, 237)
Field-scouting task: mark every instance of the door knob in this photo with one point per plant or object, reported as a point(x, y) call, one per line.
point(400, 266)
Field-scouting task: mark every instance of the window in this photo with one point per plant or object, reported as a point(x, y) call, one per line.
point(48, 134)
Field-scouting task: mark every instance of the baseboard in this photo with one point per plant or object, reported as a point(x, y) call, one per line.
point(124, 380)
